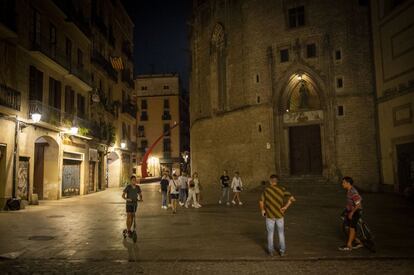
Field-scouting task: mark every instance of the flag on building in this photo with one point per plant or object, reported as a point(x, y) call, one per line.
point(117, 63)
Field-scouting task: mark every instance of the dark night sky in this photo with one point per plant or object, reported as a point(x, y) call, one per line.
point(161, 36)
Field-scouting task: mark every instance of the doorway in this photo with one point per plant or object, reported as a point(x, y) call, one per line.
point(71, 178)
point(405, 159)
point(3, 176)
point(305, 150)
point(22, 191)
point(39, 162)
point(91, 185)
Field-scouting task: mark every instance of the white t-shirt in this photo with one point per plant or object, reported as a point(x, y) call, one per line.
point(174, 187)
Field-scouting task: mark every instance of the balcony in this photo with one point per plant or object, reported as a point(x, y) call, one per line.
point(98, 59)
point(99, 22)
point(57, 117)
point(130, 109)
point(76, 17)
point(126, 49)
point(8, 19)
point(42, 44)
point(9, 97)
point(82, 74)
point(104, 131)
point(126, 77)
point(111, 37)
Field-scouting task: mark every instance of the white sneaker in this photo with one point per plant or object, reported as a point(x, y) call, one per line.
point(181, 204)
point(198, 205)
point(228, 203)
point(240, 203)
point(233, 202)
point(186, 205)
point(219, 201)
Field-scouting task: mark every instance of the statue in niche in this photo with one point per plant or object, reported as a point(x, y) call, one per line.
point(304, 97)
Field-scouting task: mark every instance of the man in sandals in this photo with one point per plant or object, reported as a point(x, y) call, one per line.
point(352, 215)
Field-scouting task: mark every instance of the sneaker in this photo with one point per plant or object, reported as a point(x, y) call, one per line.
point(233, 202)
point(282, 253)
point(228, 203)
point(181, 204)
point(196, 206)
point(357, 245)
point(344, 248)
point(271, 254)
point(186, 205)
point(219, 201)
point(240, 203)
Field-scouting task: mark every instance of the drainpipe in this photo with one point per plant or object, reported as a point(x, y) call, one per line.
point(16, 135)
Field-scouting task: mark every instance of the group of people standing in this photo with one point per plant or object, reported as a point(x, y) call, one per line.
point(236, 186)
point(180, 190)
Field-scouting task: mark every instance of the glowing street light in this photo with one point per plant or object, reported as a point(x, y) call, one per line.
point(74, 130)
point(123, 144)
point(36, 117)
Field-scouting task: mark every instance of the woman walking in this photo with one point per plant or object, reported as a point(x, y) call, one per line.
point(193, 187)
point(174, 189)
point(237, 187)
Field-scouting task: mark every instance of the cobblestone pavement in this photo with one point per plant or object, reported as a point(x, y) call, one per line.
point(394, 267)
point(83, 234)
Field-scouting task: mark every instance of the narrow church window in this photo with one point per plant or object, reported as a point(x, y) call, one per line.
point(311, 50)
point(340, 110)
point(338, 55)
point(284, 55)
point(258, 99)
point(257, 78)
point(260, 128)
point(339, 82)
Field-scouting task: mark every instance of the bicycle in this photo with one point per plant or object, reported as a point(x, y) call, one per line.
point(363, 233)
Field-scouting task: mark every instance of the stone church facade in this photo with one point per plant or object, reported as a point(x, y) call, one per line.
point(283, 87)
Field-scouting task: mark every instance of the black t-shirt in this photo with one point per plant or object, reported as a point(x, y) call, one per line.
point(225, 181)
point(164, 185)
point(132, 193)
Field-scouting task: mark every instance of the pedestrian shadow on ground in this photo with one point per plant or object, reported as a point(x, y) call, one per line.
point(132, 248)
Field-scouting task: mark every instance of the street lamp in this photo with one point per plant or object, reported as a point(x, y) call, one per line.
point(36, 117)
point(74, 130)
point(123, 144)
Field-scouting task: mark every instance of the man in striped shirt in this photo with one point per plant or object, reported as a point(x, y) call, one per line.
point(274, 202)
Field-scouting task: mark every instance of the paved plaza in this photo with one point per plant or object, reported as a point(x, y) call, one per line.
point(83, 234)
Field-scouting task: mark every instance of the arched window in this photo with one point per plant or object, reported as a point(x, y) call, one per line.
point(219, 64)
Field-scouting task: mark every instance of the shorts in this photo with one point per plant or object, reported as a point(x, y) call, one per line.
point(174, 196)
point(352, 223)
point(131, 208)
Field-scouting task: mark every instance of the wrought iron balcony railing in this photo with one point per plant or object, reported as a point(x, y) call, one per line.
point(100, 60)
point(8, 14)
point(9, 97)
point(50, 49)
point(126, 77)
point(130, 109)
point(57, 117)
point(81, 73)
point(67, 7)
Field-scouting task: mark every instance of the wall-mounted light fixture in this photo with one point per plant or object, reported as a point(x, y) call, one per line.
point(36, 117)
